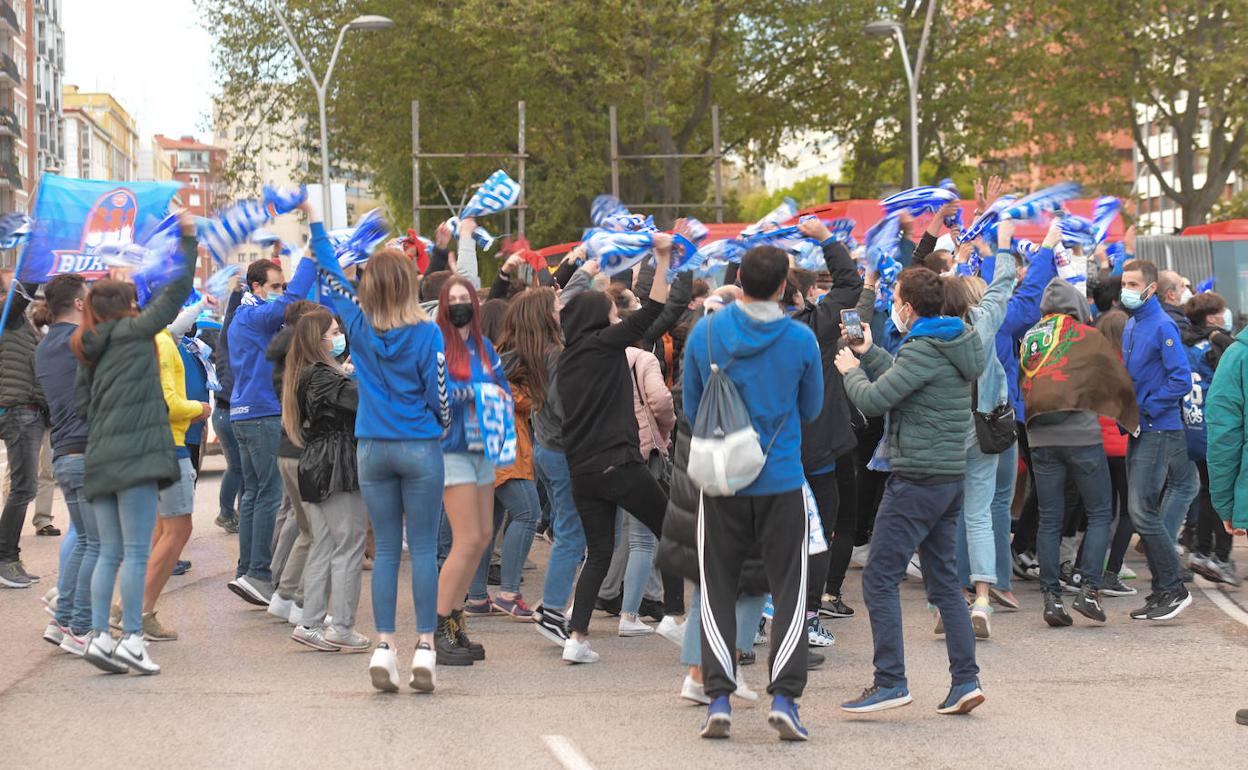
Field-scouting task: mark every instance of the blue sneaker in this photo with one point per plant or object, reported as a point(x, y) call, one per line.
point(785, 719)
point(718, 718)
point(876, 698)
point(181, 568)
point(962, 698)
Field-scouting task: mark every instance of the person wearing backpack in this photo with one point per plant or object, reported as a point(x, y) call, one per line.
point(751, 377)
point(926, 392)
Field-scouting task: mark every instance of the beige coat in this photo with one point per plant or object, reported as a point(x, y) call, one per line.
point(652, 402)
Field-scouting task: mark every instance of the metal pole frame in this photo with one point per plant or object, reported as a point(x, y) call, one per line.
point(716, 156)
point(521, 157)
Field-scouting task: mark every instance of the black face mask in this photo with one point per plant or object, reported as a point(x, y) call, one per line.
point(460, 314)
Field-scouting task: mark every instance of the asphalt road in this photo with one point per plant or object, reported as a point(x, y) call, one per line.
point(235, 691)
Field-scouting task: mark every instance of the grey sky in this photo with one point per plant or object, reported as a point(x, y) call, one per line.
point(152, 55)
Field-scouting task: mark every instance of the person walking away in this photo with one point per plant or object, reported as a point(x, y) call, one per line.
point(130, 451)
point(57, 368)
point(255, 418)
point(403, 409)
point(319, 404)
point(23, 418)
point(1162, 480)
point(1072, 375)
point(926, 393)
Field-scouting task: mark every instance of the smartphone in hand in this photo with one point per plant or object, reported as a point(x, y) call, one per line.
point(853, 326)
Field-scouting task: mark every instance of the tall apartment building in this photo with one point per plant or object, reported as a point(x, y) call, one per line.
point(17, 105)
point(49, 65)
point(101, 140)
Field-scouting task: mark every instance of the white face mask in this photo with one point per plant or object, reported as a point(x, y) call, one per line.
point(900, 324)
point(1185, 296)
point(1228, 319)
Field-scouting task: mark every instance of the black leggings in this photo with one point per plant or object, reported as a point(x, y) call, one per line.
point(1029, 519)
point(869, 484)
point(827, 498)
point(1124, 530)
point(597, 495)
point(1212, 538)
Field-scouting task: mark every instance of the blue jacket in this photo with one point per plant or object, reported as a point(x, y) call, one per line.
point(1022, 313)
point(464, 434)
point(250, 330)
point(1194, 401)
point(401, 372)
point(777, 370)
point(196, 388)
point(1157, 363)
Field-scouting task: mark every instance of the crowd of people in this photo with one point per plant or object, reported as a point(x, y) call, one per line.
point(753, 439)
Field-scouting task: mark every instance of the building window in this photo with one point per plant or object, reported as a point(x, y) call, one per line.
point(194, 179)
point(193, 200)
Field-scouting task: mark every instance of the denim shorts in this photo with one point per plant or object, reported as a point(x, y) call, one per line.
point(178, 499)
point(467, 468)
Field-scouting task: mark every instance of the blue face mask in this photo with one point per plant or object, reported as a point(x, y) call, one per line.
point(337, 345)
point(273, 298)
point(1131, 299)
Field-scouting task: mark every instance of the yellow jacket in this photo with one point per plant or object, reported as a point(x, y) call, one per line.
point(173, 382)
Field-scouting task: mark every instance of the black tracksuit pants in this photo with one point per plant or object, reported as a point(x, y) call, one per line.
point(827, 498)
point(728, 527)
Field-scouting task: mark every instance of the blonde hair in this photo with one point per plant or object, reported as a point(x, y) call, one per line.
point(974, 287)
point(390, 291)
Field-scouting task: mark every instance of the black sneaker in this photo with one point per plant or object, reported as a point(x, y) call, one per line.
point(446, 643)
point(650, 609)
point(1071, 579)
point(551, 624)
point(1170, 604)
point(1025, 566)
point(609, 606)
point(1055, 612)
point(1112, 585)
point(748, 658)
point(461, 635)
point(1150, 602)
point(494, 575)
point(833, 607)
point(814, 660)
point(1089, 604)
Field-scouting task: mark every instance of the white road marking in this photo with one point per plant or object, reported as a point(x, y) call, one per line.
point(566, 752)
point(1223, 603)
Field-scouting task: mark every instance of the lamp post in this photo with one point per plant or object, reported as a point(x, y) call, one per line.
point(893, 29)
point(366, 23)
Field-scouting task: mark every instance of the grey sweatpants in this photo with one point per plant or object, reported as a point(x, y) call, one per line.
point(293, 535)
point(335, 564)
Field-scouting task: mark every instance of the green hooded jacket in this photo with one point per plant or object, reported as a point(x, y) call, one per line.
point(1225, 420)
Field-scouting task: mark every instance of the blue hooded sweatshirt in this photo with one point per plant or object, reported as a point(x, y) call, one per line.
point(776, 368)
point(252, 326)
point(401, 372)
point(1157, 363)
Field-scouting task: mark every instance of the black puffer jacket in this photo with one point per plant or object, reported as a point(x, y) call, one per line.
point(678, 548)
point(328, 401)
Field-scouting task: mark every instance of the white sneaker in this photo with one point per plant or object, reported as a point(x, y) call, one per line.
point(279, 607)
point(295, 615)
point(634, 628)
point(54, 634)
point(50, 600)
point(132, 650)
point(578, 652)
point(671, 630)
point(743, 690)
point(981, 613)
point(1126, 573)
point(75, 645)
point(914, 569)
point(860, 554)
point(694, 691)
point(424, 668)
point(383, 669)
point(99, 653)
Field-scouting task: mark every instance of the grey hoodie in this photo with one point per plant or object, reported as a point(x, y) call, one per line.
point(1081, 428)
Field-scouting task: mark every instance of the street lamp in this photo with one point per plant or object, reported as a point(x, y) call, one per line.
point(886, 28)
point(366, 23)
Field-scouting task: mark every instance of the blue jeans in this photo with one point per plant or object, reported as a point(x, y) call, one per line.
point(69, 542)
point(232, 480)
point(126, 520)
point(399, 478)
point(1088, 469)
point(749, 610)
point(640, 566)
point(1177, 517)
point(518, 497)
point(73, 608)
point(262, 494)
point(1007, 469)
point(922, 516)
point(569, 547)
point(1161, 481)
point(977, 549)
point(21, 429)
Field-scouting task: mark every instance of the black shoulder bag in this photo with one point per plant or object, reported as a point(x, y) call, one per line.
point(997, 430)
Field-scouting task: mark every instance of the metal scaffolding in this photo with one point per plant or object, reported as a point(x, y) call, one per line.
point(716, 156)
point(520, 156)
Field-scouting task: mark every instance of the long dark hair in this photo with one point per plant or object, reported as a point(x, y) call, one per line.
point(305, 350)
point(107, 300)
point(531, 333)
point(457, 362)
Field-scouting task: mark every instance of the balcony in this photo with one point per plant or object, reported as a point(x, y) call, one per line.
point(9, 72)
point(9, 125)
point(9, 172)
point(8, 16)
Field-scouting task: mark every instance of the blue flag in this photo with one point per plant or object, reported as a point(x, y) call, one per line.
point(75, 217)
